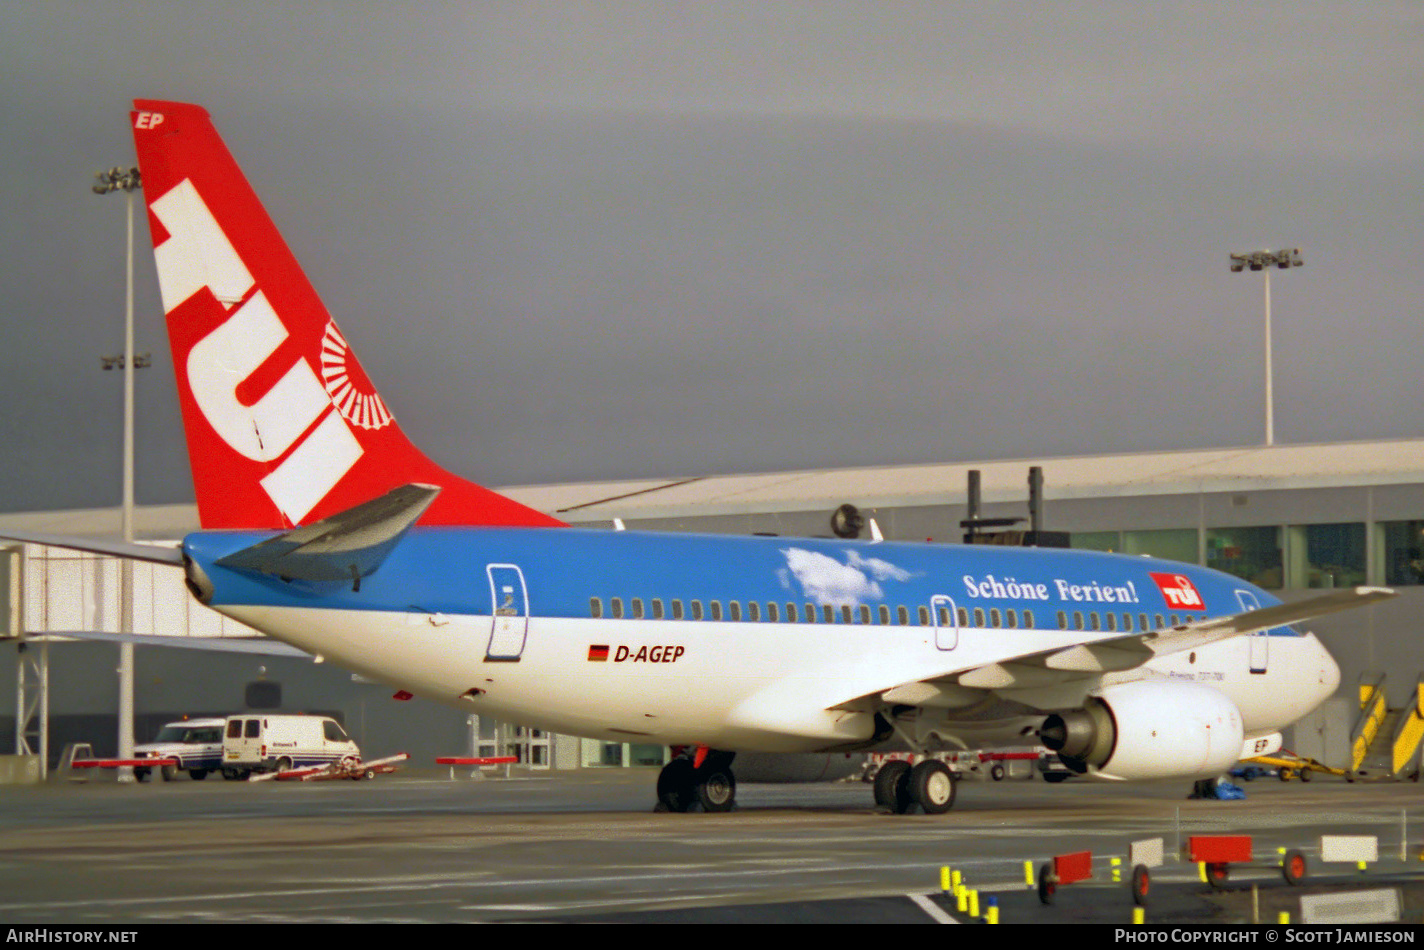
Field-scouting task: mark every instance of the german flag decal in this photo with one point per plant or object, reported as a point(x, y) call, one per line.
point(598, 653)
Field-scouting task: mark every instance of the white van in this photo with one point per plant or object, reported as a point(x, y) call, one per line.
point(261, 742)
point(197, 744)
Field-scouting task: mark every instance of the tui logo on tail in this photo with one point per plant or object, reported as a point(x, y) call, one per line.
point(283, 425)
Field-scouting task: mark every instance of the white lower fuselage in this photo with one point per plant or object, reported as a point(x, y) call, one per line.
point(738, 686)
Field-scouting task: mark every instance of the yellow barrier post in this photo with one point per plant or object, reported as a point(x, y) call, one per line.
point(991, 915)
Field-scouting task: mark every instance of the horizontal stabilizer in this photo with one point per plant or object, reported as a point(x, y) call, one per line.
point(137, 552)
point(258, 646)
point(349, 545)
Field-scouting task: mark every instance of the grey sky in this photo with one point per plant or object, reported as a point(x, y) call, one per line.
point(588, 240)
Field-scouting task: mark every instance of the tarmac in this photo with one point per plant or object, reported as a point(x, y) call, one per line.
point(586, 846)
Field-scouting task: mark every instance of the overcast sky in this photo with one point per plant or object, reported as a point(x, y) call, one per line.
point(579, 241)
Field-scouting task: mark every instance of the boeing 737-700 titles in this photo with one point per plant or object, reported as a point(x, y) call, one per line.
point(325, 528)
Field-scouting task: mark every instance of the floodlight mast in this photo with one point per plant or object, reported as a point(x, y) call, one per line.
point(1263, 261)
point(118, 179)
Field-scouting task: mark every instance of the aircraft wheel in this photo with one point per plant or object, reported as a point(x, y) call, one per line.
point(932, 787)
point(717, 791)
point(675, 784)
point(892, 787)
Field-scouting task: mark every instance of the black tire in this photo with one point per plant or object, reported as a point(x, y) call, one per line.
point(1056, 777)
point(1047, 883)
point(932, 787)
point(1293, 868)
point(717, 790)
point(1305, 775)
point(1141, 884)
point(1217, 874)
point(892, 787)
point(997, 772)
point(284, 764)
point(140, 775)
point(197, 775)
point(1286, 775)
point(675, 784)
point(169, 772)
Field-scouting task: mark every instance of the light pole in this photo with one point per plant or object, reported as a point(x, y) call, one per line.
point(1263, 261)
point(117, 179)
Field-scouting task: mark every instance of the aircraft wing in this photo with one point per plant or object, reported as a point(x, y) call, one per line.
point(1113, 653)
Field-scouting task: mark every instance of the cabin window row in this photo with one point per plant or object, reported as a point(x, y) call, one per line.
point(1129, 623)
point(754, 612)
point(884, 614)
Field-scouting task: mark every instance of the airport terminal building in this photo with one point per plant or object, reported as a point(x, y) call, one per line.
point(1291, 519)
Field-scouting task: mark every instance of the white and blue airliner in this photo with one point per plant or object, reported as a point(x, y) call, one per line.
point(325, 528)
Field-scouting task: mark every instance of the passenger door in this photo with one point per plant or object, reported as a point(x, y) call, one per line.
point(509, 623)
point(1260, 642)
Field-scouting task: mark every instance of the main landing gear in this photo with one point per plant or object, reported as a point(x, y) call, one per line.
point(930, 784)
point(698, 781)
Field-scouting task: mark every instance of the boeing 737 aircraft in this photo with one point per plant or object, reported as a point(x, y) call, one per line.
point(325, 528)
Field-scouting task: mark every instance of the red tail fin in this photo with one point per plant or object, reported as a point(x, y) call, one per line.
point(283, 426)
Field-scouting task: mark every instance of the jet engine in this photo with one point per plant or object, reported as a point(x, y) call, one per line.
point(1148, 730)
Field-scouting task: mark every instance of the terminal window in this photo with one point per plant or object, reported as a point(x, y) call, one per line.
point(1326, 555)
point(1252, 554)
point(1403, 552)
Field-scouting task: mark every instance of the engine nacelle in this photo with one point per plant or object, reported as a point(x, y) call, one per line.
point(1148, 730)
